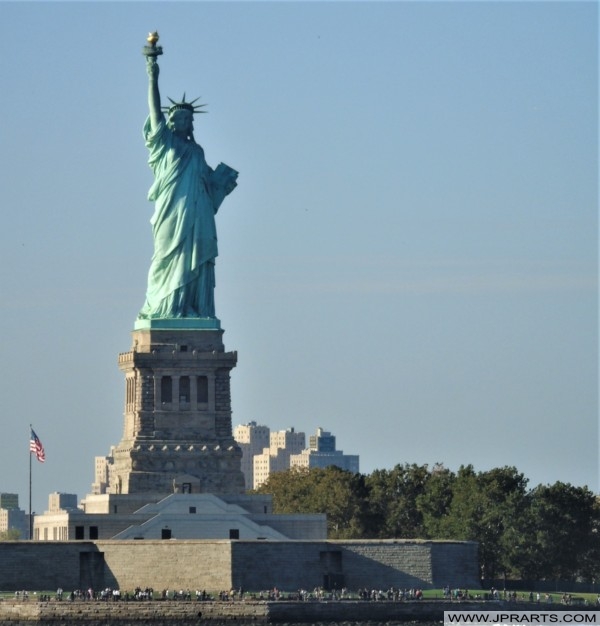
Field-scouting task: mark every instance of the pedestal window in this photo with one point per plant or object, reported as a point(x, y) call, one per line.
point(184, 390)
point(202, 389)
point(166, 390)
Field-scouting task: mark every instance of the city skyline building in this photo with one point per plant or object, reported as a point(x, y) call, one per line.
point(11, 516)
point(276, 458)
point(322, 453)
point(252, 439)
point(9, 501)
point(287, 449)
point(102, 472)
point(59, 501)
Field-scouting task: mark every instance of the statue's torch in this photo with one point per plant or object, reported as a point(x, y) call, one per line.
point(152, 50)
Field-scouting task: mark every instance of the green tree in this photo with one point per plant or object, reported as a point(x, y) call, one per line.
point(340, 494)
point(12, 534)
point(563, 541)
point(434, 503)
point(485, 507)
point(343, 496)
point(393, 500)
point(290, 490)
point(550, 532)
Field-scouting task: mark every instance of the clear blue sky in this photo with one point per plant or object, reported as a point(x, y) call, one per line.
point(409, 260)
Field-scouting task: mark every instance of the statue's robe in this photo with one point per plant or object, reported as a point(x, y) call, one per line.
point(187, 193)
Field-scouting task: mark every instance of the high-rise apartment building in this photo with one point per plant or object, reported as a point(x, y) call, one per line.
point(276, 458)
point(252, 439)
point(322, 441)
point(11, 516)
point(264, 452)
point(9, 500)
point(103, 466)
point(58, 502)
point(322, 453)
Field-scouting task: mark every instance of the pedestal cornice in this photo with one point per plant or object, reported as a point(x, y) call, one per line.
point(179, 323)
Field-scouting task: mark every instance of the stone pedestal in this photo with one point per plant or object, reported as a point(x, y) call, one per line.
point(177, 434)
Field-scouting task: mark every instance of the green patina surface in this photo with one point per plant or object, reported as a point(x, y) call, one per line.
point(185, 323)
point(187, 194)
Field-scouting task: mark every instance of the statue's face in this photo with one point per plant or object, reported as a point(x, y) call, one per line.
point(181, 122)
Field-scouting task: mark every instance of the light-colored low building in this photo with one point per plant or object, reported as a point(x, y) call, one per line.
point(177, 516)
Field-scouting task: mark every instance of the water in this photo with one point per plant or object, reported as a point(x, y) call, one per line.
point(232, 622)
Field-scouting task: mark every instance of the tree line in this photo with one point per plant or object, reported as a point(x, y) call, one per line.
point(549, 532)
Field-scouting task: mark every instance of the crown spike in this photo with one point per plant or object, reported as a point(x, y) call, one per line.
point(192, 107)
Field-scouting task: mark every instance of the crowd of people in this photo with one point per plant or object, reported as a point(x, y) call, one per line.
point(319, 594)
point(141, 594)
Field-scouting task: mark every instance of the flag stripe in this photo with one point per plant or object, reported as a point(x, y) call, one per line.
point(36, 447)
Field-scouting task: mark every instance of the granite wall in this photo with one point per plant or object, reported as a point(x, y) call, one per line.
point(222, 564)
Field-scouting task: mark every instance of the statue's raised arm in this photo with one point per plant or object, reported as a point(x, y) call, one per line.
point(153, 93)
point(151, 52)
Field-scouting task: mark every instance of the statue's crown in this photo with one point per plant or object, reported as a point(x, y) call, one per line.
point(186, 106)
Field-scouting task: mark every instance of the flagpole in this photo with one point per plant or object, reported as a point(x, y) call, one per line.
point(30, 518)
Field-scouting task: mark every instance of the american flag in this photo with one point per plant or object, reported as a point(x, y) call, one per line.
point(35, 446)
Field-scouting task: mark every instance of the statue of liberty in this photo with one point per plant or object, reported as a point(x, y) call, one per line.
point(187, 194)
